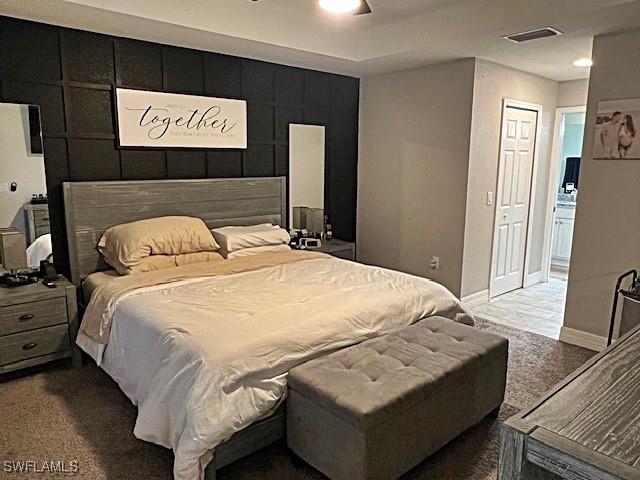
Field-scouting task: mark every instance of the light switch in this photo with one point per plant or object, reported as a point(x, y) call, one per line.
point(489, 198)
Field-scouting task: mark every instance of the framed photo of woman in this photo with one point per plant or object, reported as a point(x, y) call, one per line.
point(616, 134)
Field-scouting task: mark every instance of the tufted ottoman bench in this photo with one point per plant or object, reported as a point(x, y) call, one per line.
point(377, 409)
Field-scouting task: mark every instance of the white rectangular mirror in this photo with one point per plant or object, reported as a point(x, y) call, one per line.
point(22, 177)
point(306, 168)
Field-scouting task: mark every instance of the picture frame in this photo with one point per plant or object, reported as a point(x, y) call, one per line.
point(616, 135)
point(151, 119)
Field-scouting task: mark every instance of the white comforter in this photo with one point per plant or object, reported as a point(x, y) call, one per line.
point(204, 358)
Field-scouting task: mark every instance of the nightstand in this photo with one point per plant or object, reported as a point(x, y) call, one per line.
point(37, 220)
point(339, 248)
point(37, 325)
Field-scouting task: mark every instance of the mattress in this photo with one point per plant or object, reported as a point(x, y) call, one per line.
point(95, 280)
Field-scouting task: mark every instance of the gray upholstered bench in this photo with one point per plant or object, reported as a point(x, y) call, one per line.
point(377, 409)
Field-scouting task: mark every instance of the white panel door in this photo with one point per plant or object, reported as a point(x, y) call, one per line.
point(512, 200)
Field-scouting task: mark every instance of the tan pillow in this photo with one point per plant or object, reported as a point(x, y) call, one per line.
point(161, 262)
point(125, 246)
point(150, 264)
point(246, 252)
point(198, 257)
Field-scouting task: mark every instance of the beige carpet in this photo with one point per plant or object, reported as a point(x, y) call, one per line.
point(54, 413)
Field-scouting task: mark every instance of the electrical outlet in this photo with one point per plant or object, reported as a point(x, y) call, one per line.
point(434, 263)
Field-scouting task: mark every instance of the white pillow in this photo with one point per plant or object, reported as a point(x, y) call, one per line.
point(232, 239)
point(246, 252)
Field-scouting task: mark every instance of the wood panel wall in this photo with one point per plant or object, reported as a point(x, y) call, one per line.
point(72, 74)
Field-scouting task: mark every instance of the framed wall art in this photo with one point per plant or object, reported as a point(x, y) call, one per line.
point(616, 132)
point(166, 120)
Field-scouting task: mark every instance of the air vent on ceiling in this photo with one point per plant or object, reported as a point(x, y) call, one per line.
point(533, 34)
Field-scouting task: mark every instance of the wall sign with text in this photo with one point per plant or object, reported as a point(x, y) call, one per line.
point(165, 120)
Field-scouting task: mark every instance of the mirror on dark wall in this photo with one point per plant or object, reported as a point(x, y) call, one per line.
point(306, 177)
point(24, 214)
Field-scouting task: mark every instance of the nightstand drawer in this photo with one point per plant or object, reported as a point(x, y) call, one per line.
point(26, 345)
point(32, 315)
point(41, 217)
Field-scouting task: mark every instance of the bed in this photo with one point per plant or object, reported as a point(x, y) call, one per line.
point(210, 384)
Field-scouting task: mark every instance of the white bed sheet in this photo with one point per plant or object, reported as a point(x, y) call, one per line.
point(204, 358)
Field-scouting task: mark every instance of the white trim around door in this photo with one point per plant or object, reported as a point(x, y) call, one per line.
point(527, 277)
point(554, 182)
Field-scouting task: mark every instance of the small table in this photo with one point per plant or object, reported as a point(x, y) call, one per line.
point(339, 249)
point(38, 324)
point(586, 428)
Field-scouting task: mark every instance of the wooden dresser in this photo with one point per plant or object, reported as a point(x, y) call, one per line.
point(37, 220)
point(586, 428)
point(37, 325)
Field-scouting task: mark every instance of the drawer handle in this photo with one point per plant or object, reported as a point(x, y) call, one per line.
point(26, 316)
point(30, 346)
point(45, 219)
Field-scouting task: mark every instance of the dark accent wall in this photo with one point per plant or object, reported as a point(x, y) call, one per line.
point(71, 75)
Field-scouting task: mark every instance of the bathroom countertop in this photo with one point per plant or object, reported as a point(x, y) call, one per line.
point(566, 200)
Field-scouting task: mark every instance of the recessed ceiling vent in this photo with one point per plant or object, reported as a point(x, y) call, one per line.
point(533, 34)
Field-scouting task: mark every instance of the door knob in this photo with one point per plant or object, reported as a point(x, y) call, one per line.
point(504, 216)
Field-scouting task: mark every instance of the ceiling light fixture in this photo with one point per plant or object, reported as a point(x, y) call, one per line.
point(583, 62)
point(340, 6)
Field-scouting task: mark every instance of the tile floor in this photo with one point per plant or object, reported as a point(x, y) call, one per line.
point(538, 309)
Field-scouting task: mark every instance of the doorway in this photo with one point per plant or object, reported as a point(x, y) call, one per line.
point(518, 144)
point(563, 190)
point(539, 307)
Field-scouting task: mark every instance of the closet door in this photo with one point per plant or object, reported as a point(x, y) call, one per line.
point(513, 197)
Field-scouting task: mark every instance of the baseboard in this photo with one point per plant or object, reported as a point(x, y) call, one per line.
point(475, 298)
point(534, 278)
point(582, 339)
point(560, 268)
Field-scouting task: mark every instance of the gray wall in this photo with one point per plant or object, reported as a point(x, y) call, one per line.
point(493, 83)
point(606, 238)
point(573, 93)
point(413, 162)
point(429, 143)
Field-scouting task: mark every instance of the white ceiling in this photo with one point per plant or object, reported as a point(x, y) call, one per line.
point(398, 34)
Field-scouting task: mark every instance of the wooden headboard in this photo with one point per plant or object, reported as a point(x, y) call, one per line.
point(92, 207)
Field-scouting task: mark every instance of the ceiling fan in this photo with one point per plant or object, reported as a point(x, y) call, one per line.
point(354, 7)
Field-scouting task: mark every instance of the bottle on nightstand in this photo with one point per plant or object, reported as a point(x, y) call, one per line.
point(327, 232)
